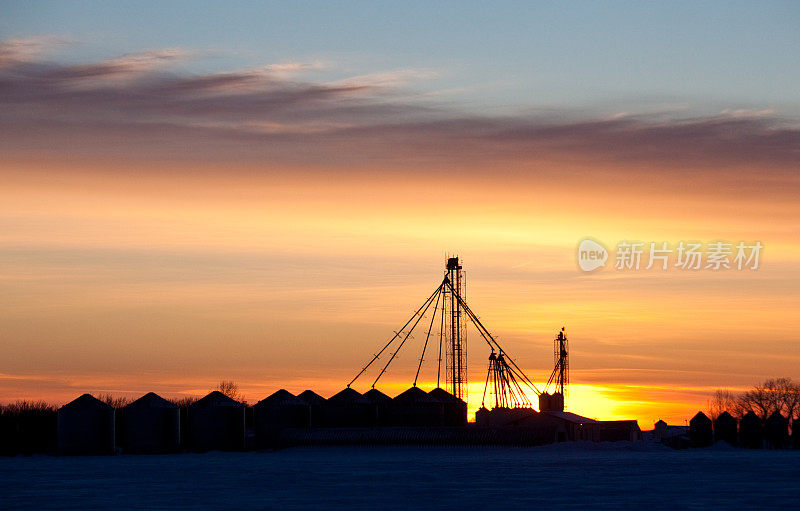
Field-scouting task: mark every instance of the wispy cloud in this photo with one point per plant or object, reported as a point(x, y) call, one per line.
point(396, 78)
point(291, 69)
point(16, 51)
point(138, 104)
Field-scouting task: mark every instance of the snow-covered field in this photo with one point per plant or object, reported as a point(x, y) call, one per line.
point(599, 476)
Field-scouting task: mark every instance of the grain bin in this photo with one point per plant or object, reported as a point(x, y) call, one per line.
point(380, 403)
point(150, 425)
point(315, 404)
point(348, 409)
point(415, 407)
point(278, 411)
point(86, 427)
point(216, 423)
point(725, 429)
point(455, 409)
point(776, 431)
point(751, 432)
point(701, 431)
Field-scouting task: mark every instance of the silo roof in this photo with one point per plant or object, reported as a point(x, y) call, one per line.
point(444, 396)
point(151, 400)
point(376, 396)
point(725, 417)
point(87, 402)
point(700, 417)
point(776, 416)
point(348, 396)
point(751, 415)
point(213, 399)
point(414, 395)
point(281, 397)
point(311, 397)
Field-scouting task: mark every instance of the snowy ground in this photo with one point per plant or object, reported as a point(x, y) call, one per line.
point(605, 476)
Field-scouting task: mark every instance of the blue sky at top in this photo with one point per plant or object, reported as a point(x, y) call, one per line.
point(606, 55)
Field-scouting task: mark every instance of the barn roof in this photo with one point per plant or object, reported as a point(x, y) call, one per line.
point(569, 417)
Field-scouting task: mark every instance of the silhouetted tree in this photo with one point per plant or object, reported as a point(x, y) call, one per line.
point(230, 389)
point(183, 402)
point(21, 406)
point(114, 401)
point(774, 395)
point(724, 400)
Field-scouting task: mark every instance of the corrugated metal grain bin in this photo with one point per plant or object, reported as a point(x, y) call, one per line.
point(725, 429)
point(279, 411)
point(701, 431)
point(415, 407)
point(349, 409)
point(216, 423)
point(455, 409)
point(86, 427)
point(776, 431)
point(380, 403)
point(751, 432)
point(315, 404)
point(151, 425)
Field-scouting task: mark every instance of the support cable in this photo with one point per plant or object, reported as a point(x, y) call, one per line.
point(425, 347)
point(396, 335)
point(489, 339)
point(427, 306)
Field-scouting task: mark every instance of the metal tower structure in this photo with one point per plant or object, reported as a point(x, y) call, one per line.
point(559, 377)
point(561, 359)
point(454, 330)
point(447, 306)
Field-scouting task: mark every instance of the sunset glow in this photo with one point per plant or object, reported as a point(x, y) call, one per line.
point(173, 214)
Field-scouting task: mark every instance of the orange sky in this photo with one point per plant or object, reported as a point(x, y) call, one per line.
point(164, 227)
point(169, 278)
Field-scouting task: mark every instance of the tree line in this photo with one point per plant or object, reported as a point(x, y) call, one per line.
point(773, 395)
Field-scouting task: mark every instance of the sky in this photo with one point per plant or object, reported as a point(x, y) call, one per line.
point(264, 192)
